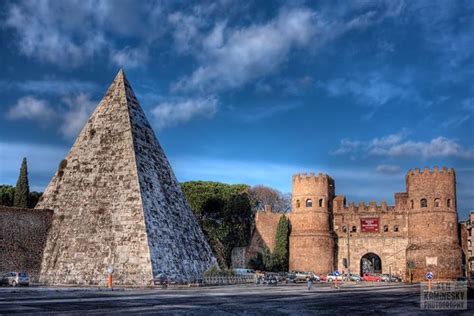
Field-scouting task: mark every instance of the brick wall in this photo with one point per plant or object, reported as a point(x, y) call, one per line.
point(265, 227)
point(23, 235)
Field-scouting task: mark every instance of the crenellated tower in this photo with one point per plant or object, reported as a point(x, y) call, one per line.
point(432, 223)
point(312, 238)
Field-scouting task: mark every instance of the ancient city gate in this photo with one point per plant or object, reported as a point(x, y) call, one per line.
point(370, 263)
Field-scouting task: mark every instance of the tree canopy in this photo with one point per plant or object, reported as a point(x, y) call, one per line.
point(282, 243)
point(262, 195)
point(7, 193)
point(22, 189)
point(225, 214)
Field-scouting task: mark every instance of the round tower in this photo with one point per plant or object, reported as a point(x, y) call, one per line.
point(432, 223)
point(312, 239)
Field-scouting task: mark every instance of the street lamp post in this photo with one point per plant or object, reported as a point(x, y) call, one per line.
point(348, 256)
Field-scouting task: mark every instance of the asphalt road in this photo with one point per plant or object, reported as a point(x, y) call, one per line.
point(225, 300)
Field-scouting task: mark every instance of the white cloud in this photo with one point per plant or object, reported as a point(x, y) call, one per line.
point(130, 57)
point(79, 110)
point(68, 33)
point(57, 32)
point(373, 89)
point(388, 169)
point(49, 86)
point(183, 110)
point(31, 108)
point(397, 145)
point(258, 113)
point(437, 147)
point(465, 114)
point(232, 57)
point(186, 30)
point(72, 114)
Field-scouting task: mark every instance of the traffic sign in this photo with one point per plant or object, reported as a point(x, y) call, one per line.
point(429, 275)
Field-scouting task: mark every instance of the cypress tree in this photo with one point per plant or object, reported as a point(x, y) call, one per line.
point(22, 189)
point(281, 243)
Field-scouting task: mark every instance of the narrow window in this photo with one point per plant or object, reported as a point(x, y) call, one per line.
point(344, 229)
point(320, 202)
point(385, 228)
point(449, 203)
point(309, 203)
point(297, 203)
point(436, 203)
point(354, 229)
point(395, 228)
point(424, 203)
point(411, 204)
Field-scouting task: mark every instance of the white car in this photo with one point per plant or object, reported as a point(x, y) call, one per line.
point(244, 272)
point(331, 277)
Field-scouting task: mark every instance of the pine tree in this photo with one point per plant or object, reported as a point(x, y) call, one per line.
point(22, 189)
point(281, 243)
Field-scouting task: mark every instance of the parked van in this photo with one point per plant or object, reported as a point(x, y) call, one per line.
point(15, 278)
point(244, 272)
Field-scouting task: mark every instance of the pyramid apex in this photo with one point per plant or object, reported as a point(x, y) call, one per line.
point(120, 74)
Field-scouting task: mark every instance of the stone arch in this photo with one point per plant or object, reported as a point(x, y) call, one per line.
point(370, 263)
point(309, 203)
point(437, 202)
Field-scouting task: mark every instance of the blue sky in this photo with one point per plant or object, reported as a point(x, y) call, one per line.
point(250, 91)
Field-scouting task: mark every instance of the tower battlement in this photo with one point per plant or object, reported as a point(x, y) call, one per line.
point(426, 172)
point(373, 206)
point(320, 177)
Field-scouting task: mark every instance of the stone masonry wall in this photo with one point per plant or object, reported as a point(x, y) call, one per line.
point(23, 235)
point(177, 244)
point(311, 238)
point(432, 223)
point(98, 218)
point(389, 243)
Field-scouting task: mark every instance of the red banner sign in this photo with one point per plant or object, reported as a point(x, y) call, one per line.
point(369, 225)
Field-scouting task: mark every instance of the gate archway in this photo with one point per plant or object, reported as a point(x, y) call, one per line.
point(370, 263)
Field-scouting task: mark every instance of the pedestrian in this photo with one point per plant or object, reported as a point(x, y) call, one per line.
point(310, 284)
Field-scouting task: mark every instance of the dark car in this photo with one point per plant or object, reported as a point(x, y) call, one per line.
point(283, 277)
point(270, 278)
point(291, 277)
point(15, 279)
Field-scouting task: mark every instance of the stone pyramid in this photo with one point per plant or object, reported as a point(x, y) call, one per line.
point(117, 203)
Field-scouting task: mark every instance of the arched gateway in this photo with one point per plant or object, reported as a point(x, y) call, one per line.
point(370, 263)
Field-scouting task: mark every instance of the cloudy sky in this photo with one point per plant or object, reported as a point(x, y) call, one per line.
point(250, 91)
